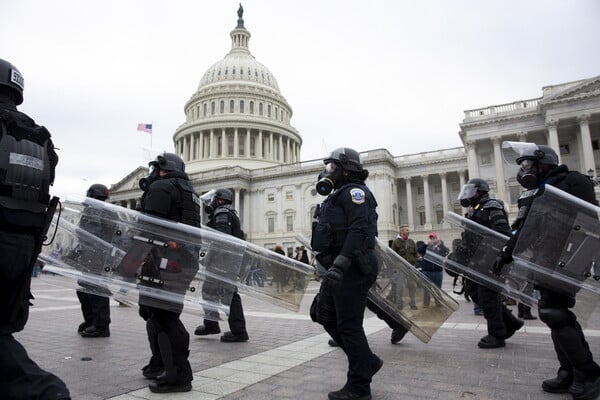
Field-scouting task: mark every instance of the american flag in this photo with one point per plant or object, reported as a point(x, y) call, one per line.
point(145, 128)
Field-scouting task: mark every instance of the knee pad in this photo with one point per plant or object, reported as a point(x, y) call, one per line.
point(555, 318)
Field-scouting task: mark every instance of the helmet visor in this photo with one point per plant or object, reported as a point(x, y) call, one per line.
point(526, 164)
point(513, 151)
point(468, 191)
point(330, 167)
point(208, 197)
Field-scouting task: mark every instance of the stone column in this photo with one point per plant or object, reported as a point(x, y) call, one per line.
point(236, 143)
point(461, 180)
point(409, 204)
point(271, 152)
point(236, 203)
point(259, 149)
point(193, 146)
point(552, 126)
point(499, 165)
point(587, 161)
point(201, 145)
point(444, 193)
point(211, 144)
point(472, 163)
point(224, 146)
point(427, 197)
point(247, 146)
point(280, 148)
point(246, 225)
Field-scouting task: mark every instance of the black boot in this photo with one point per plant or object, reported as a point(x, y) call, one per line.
point(204, 330)
point(560, 383)
point(397, 335)
point(490, 342)
point(93, 332)
point(525, 312)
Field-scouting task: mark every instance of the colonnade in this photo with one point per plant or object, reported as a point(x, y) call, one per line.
point(238, 142)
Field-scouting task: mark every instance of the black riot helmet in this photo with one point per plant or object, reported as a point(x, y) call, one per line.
point(334, 176)
point(348, 158)
point(472, 190)
point(11, 81)
point(224, 194)
point(534, 161)
point(98, 191)
point(165, 161)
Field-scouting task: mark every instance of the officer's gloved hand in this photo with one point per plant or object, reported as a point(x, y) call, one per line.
point(335, 274)
point(503, 258)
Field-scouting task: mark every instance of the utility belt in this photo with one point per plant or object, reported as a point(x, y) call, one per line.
point(360, 258)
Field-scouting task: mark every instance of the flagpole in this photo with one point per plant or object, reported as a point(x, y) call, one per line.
point(152, 122)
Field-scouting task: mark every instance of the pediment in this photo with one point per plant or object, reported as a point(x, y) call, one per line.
point(130, 181)
point(584, 89)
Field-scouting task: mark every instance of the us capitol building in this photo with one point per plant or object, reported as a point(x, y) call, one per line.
point(237, 134)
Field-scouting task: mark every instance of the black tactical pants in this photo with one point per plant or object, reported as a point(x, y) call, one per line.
point(496, 314)
point(95, 309)
point(236, 320)
point(20, 377)
point(346, 307)
point(169, 343)
point(572, 350)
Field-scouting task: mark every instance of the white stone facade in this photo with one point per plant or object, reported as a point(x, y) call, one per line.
point(237, 135)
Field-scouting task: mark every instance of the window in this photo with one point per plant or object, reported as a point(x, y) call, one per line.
point(289, 195)
point(437, 188)
point(241, 106)
point(486, 158)
point(231, 106)
point(260, 109)
point(595, 145)
point(564, 149)
point(289, 223)
point(270, 196)
point(439, 216)
point(252, 146)
point(212, 108)
point(205, 109)
point(251, 107)
point(420, 190)
point(269, 110)
point(271, 224)
point(456, 186)
point(422, 218)
point(222, 107)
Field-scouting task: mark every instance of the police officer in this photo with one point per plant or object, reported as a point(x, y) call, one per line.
point(578, 374)
point(224, 218)
point(169, 194)
point(489, 212)
point(95, 309)
point(27, 165)
point(344, 238)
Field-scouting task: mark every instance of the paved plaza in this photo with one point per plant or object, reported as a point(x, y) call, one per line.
point(287, 356)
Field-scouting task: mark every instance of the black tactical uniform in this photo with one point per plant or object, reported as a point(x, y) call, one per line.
point(169, 194)
point(224, 218)
point(578, 374)
point(501, 323)
point(95, 308)
point(27, 164)
point(344, 238)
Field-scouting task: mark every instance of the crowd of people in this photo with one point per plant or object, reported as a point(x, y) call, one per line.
point(343, 241)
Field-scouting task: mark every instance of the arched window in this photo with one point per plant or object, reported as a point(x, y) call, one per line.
point(241, 106)
point(205, 108)
point(222, 107)
point(231, 106)
point(260, 109)
point(251, 107)
point(269, 110)
point(212, 108)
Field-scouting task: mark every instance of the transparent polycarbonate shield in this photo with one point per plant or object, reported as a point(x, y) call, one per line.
point(149, 253)
point(406, 295)
point(559, 244)
point(473, 257)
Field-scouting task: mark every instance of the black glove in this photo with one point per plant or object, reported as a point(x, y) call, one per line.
point(503, 258)
point(335, 274)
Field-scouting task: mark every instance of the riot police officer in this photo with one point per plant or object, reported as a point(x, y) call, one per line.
point(95, 308)
point(344, 238)
point(27, 165)
point(224, 218)
point(489, 212)
point(578, 373)
point(169, 194)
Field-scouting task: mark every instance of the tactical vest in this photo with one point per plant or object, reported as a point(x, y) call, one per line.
point(189, 205)
point(25, 167)
point(225, 220)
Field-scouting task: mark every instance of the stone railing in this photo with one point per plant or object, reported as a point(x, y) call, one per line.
point(517, 106)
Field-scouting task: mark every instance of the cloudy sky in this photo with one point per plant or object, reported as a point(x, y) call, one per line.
point(363, 74)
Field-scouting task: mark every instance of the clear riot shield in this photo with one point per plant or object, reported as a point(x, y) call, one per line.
point(473, 258)
point(559, 244)
point(138, 259)
point(399, 286)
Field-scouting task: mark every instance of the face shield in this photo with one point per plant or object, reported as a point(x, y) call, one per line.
point(209, 200)
point(153, 174)
point(466, 195)
point(512, 151)
point(526, 156)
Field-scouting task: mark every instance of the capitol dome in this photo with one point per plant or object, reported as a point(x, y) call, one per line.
point(237, 116)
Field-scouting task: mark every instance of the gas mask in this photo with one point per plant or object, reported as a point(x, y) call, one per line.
point(331, 178)
point(209, 200)
point(146, 181)
point(528, 175)
point(466, 197)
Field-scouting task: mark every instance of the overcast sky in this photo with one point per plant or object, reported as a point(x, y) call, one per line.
point(362, 74)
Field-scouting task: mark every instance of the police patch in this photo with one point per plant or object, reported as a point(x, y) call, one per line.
point(358, 195)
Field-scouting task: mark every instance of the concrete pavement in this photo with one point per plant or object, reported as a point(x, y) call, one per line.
point(287, 356)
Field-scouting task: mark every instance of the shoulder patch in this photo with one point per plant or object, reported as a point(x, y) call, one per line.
point(357, 195)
